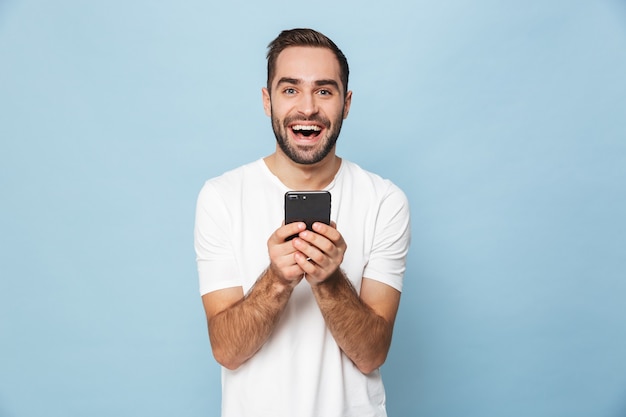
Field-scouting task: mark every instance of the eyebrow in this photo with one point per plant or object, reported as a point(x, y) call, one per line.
point(319, 83)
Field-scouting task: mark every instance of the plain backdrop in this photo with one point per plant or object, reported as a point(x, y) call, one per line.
point(504, 122)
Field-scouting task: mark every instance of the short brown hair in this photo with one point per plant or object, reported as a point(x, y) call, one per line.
point(304, 37)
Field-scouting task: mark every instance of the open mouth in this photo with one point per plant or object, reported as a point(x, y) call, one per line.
point(306, 131)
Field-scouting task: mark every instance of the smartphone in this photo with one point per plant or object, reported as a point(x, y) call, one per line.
point(308, 207)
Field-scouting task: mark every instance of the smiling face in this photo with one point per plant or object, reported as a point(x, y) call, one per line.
point(306, 103)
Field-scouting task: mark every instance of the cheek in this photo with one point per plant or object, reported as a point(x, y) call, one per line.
point(277, 111)
point(338, 110)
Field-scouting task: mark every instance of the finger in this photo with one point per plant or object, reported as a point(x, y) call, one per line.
point(314, 272)
point(326, 254)
point(307, 264)
point(302, 246)
point(292, 273)
point(282, 233)
point(308, 255)
point(328, 231)
point(318, 241)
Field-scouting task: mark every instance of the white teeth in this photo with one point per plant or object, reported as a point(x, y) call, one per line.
point(307, 127)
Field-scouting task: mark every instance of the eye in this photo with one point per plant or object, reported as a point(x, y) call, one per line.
point(325, 92)
point(289, 91)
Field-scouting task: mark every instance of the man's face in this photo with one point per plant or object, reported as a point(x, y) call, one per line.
point(307, 103)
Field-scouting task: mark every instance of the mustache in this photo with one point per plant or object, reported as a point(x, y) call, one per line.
point(314, 118)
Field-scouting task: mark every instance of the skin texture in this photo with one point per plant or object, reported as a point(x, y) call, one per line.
point(306, 90)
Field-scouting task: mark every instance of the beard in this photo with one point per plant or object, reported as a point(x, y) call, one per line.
point(307, 155)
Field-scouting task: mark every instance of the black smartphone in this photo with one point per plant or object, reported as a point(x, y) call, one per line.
point(308, 207)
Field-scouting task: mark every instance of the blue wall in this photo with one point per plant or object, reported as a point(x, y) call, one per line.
point(505, 123)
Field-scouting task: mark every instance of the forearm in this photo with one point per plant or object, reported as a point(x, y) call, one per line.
point(240, 330)
point(363, 335)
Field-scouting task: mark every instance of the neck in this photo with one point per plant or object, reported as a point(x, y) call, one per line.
point(303, 177)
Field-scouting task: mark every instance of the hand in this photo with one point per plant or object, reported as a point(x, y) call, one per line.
point(282, 254)
point(319, 252)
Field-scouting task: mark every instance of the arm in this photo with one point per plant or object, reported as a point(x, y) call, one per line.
point(238, 325)
point(361, 325)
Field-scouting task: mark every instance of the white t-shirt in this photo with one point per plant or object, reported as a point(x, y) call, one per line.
point(300, 371)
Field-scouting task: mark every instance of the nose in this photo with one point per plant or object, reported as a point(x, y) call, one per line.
point(307, 106)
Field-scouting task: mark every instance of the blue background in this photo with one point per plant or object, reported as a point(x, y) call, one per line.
point(504, 122)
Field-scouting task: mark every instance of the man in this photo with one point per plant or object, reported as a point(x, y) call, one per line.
point(301, 326)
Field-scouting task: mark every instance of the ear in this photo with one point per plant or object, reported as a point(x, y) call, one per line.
point(346, 104)
point(267, 101)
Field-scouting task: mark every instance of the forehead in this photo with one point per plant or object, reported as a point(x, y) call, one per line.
point(307, 64)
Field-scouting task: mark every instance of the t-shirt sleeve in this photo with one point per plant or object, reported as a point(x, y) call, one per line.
point(217, 266)
point(387, 262)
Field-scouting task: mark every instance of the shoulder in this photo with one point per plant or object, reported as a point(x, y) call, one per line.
point(237, 175)
point(230, 182)
point(379, 187)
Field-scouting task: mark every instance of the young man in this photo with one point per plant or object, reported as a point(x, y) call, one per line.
point(301, 326)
